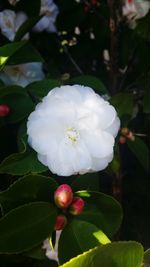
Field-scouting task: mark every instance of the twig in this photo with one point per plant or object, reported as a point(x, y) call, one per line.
point(72, 60)
point(114, 6)
point(129, 66)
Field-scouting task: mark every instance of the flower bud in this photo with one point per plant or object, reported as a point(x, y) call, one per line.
point(76, 206)
point(4, 110)
point(63, 196)
point(131, 136)
point(122, 139)
point(60, 223)
point(124, 131)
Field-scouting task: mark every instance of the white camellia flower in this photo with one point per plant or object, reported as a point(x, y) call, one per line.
point(135, 9)
point(13, 2)
point(52, 253)
point(73, 130)
point(22, 74)
point(10, 23)
point(47, 22)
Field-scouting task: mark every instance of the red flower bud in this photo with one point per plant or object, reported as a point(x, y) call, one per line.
point(63, 196)
point(76, 206)
point(60, 223)
point(124, 131)
point(131, 136)
point(4, 110)
point(122, 139)
point(130, 1)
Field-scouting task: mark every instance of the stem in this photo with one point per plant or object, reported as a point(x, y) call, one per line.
point(117, 186)
point(118, 177)
point(72, 60)
point(114, 6)
point(129, 67)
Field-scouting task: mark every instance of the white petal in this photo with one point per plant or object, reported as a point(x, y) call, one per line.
point(21, 17)
point(41, 25)
point(73, 158)
point(114, 127)
point(67, 94)
point(99, 164)
point(99, 144)
point(42, 159)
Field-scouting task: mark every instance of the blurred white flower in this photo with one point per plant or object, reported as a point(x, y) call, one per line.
point(135, 9)
point(22, 74)
point(52, 253)
point(10, 23)
point(73, 130)
point(47, 22)
point(13, 2)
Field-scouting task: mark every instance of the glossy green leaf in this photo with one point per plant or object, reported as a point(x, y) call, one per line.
point(143, 27)
point(90, 81)
point(22, 163)
point(117, 254)
point(8, 50)
point(26, 226)
point(36, 253)
point(147, 257)
point(27, 189)
point(40, 89)
point(25, 54)
point(141, 152)
point(89, 181)
point(102, 210)
point(19, 102)
point(123, 102)
point(80, 236)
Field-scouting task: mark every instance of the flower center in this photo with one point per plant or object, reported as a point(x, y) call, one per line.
point(9, 24)
point(72, 135)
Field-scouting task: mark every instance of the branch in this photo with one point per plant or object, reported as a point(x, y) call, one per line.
point(115, 18)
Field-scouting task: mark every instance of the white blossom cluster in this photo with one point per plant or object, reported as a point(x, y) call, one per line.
point(73, 130)
point(11, 21)
point(134, 10)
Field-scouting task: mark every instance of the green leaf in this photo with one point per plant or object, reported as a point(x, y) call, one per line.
point(19, 102)
point(22, 163)
point(89, 181)
point(8, 50)
point(123, 102)
point(146, 100)
point(90, 81)
point(26, 226)
point(27, 189)
point(141, 152)
point(102, 210)
point(36, 253)
point(41, 88)
point(117, 254)
point(80, 236)
point(25, 54)
point(142, 27)
point(26, 27)
point(147, 257)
